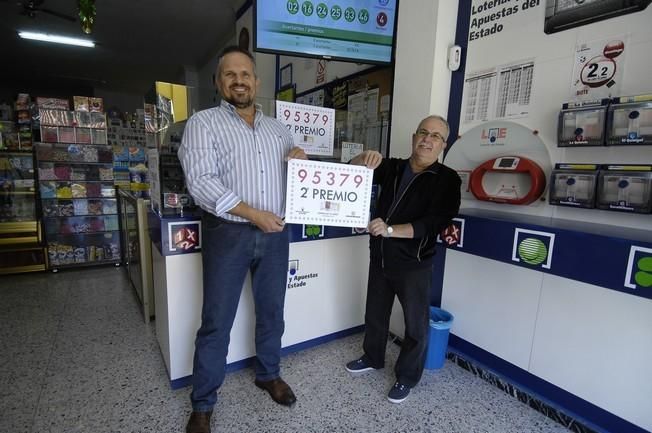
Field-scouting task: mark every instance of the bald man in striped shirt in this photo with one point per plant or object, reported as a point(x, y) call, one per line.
point(235, 163)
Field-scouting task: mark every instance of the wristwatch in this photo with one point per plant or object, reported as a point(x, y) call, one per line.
point(390, 230)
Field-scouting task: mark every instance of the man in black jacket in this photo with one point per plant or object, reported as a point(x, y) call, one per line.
point(418, 198)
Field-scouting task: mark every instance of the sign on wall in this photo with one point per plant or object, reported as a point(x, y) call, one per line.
point(598, 69)
point(312, 128)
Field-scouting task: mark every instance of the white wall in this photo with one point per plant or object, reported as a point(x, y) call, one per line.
point(426, 29)
point(523, 38)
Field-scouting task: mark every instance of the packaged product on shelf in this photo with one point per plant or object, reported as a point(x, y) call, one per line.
point(67, 134)
point(105, 155)
point(52, 103)
point(107, 191)
point(50, 209)
point(110, 207)
point(106, 173)
point(83, 135)
point(48, 189)
point(90, 154)
point(93, 190)
point(80, 103)
point(66, 209)
point(46, 171)
point(95, 207)
point(111, 223)
point(96, 104)
point(10, 141)
point(98, 136)
point(80, 254)
point(120, 153)
point(96, 224)
point(83, 119)
point(23, 117)
point(22, 101)
point(81, 173)
point(137, 154)
point(78, 190)
point(62, 172)
point(81, 207)
point(98, 120)
point(49, 134)
point(64, 191)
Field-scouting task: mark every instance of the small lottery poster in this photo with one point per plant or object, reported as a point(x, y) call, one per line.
point(312, 128)
point(325, 193)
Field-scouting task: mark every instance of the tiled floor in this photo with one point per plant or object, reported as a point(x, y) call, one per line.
point(76, 356)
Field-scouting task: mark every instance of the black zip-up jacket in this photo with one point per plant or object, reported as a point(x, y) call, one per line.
point(429, 202)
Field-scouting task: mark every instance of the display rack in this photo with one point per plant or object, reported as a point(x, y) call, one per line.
point(76, 183)
point(21, 248)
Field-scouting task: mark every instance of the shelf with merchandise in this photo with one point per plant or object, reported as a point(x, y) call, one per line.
point(21, 242)
point(83, 249)
point(76, 184)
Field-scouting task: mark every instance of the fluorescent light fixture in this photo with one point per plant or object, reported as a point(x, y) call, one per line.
point(57, 39)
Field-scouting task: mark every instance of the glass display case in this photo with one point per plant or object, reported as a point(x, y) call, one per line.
point(582, 124)
point(21, 248)
point(626, 188)
point(80, 211)
point(136, 247)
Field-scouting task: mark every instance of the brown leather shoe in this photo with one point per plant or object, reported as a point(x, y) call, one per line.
point(199, 422)
point(278, 389)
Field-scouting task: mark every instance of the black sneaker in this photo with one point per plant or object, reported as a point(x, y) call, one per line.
point(358, 366)
point(398, 393)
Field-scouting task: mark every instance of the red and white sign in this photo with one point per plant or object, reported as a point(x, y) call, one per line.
point(325, 193)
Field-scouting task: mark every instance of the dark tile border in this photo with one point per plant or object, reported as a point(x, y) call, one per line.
point(532, 401)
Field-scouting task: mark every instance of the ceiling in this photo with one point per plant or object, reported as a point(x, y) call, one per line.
point(138, 42)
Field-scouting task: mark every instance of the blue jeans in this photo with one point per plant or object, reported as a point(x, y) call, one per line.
point(229, 251)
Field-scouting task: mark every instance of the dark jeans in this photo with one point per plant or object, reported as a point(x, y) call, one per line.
point(413, 291)
point(229, 251)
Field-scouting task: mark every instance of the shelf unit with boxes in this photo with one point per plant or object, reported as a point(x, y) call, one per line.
point(21, 246)
point(76, 183)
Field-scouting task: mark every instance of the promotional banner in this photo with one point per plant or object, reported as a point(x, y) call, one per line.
point(328, 193)
point(312, 128)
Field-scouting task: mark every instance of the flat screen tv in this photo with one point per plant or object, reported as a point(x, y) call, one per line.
point(361, 31)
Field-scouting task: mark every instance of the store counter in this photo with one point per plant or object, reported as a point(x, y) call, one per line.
point(559, 307)
point(327, 276)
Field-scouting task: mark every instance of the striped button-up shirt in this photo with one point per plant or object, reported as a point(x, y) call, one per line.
point(226, 161)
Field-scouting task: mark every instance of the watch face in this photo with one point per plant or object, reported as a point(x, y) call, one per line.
point(390, 230)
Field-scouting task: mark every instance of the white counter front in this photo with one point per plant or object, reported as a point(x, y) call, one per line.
point(327, 281)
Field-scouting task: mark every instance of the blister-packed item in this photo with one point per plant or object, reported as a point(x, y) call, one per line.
point(78, 190)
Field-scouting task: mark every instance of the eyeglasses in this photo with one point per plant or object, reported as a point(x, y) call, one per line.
point(423, 133)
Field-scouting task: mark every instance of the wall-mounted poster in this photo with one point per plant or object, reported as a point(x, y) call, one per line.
point(502, 92)
point(598, 68)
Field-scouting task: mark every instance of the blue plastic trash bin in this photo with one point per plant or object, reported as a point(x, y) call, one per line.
point(440, 325)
